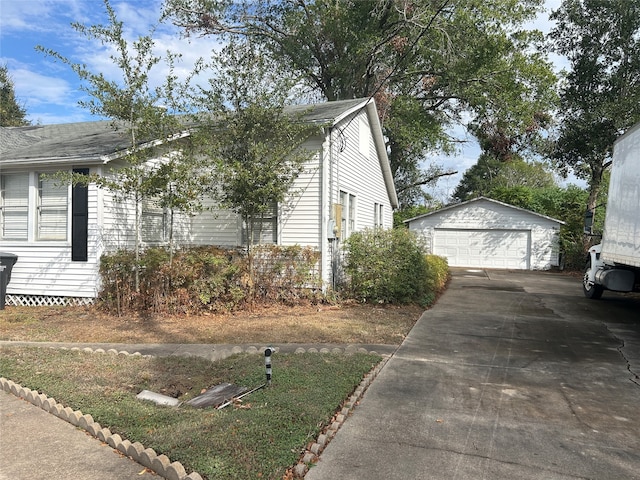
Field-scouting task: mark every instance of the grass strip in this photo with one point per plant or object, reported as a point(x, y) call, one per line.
point(260, 438)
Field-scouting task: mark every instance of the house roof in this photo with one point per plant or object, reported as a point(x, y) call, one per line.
point(59, 143)
point(97, 140)
point(328, 112)
point(482, 199)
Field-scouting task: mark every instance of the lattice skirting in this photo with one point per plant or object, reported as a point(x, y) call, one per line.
point(45, 300)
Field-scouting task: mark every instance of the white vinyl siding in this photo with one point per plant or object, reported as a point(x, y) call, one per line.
point(215, 226)
point(346, 158)
point(364, 136)
point(300, 221)
point(14, 206)
point(360, 175)
point(52, 210)
point(34, 274)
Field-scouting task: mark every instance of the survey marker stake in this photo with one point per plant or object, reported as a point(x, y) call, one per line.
point(267, 363)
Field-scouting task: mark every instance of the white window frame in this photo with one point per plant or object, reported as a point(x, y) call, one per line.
point(378, 218)
point(52, 210)
point(38, 229)
point(349, 212)
point(14, 208)
point(154, 222)
point(262, 235)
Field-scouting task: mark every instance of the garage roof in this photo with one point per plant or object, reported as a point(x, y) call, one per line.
point(485, 199)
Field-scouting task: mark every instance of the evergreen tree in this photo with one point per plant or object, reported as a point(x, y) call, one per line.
point(12, 114)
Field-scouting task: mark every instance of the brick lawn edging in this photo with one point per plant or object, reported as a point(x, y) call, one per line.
point(161, 464)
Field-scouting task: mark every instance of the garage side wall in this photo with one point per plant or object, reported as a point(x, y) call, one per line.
point(486, 219)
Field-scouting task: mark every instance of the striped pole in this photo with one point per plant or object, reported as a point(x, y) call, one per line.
point(267, 363)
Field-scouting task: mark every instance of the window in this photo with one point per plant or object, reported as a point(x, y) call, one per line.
point(378, 209)
point(14, 206)
point(352, 214)
point(154, 222)
point(41, 215)
point(52, 210)
point(348, 223)
point(265, 228)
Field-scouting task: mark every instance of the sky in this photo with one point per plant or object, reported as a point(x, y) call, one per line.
point(49, 90)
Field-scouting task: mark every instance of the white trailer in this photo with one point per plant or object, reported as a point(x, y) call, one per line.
point(614, 264)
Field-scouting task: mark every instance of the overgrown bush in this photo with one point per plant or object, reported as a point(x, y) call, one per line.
point(207, 279)
point(437, 276)
point(286, 274)
point(389, 266)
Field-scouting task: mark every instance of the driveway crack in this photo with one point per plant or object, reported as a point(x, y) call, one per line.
point(635, 376)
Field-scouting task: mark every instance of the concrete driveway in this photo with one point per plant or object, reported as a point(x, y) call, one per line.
point(512, 375)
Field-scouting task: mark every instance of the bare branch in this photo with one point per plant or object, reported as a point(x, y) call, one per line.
point(427, 180)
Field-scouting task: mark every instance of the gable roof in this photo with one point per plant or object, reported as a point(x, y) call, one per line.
point(483, 199)
point(96, 140)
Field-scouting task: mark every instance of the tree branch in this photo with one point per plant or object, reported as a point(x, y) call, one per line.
point(427, 180)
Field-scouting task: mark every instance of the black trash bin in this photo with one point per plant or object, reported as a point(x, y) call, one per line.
point(7, 261)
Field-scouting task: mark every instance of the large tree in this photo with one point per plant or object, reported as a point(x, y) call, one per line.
point(12, 114)
point(146, 116)
point(600, 93)
point(429, 64)
point(491, 174)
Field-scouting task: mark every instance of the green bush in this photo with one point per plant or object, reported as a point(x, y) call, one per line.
point(437, 272)
point(388, 266)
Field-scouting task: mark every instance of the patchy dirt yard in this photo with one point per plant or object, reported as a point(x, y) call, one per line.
point(346, 324)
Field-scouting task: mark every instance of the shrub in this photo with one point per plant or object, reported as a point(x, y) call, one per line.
point(207, 279)
point(437, 272)
point(437, 276)
point(386, 266)
point(286, 274)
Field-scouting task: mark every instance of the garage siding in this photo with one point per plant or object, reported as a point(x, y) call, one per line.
point(489, 234)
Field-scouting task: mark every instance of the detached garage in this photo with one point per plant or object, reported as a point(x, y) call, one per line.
point(485, 233)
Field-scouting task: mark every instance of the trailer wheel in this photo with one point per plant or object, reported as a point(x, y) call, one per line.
point(593, 292)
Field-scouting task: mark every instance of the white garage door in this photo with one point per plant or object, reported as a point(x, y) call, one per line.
point(484, 248)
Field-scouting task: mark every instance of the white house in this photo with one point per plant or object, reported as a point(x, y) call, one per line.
point(59, 233)
point(485, 233)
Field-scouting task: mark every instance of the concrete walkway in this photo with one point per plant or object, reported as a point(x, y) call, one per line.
point(36, 445)
point(511, 375)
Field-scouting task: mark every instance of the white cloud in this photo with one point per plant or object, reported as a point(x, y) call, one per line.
point(39, 89)
point(39, 15)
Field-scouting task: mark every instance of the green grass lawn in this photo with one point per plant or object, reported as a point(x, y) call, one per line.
point(262, 438)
